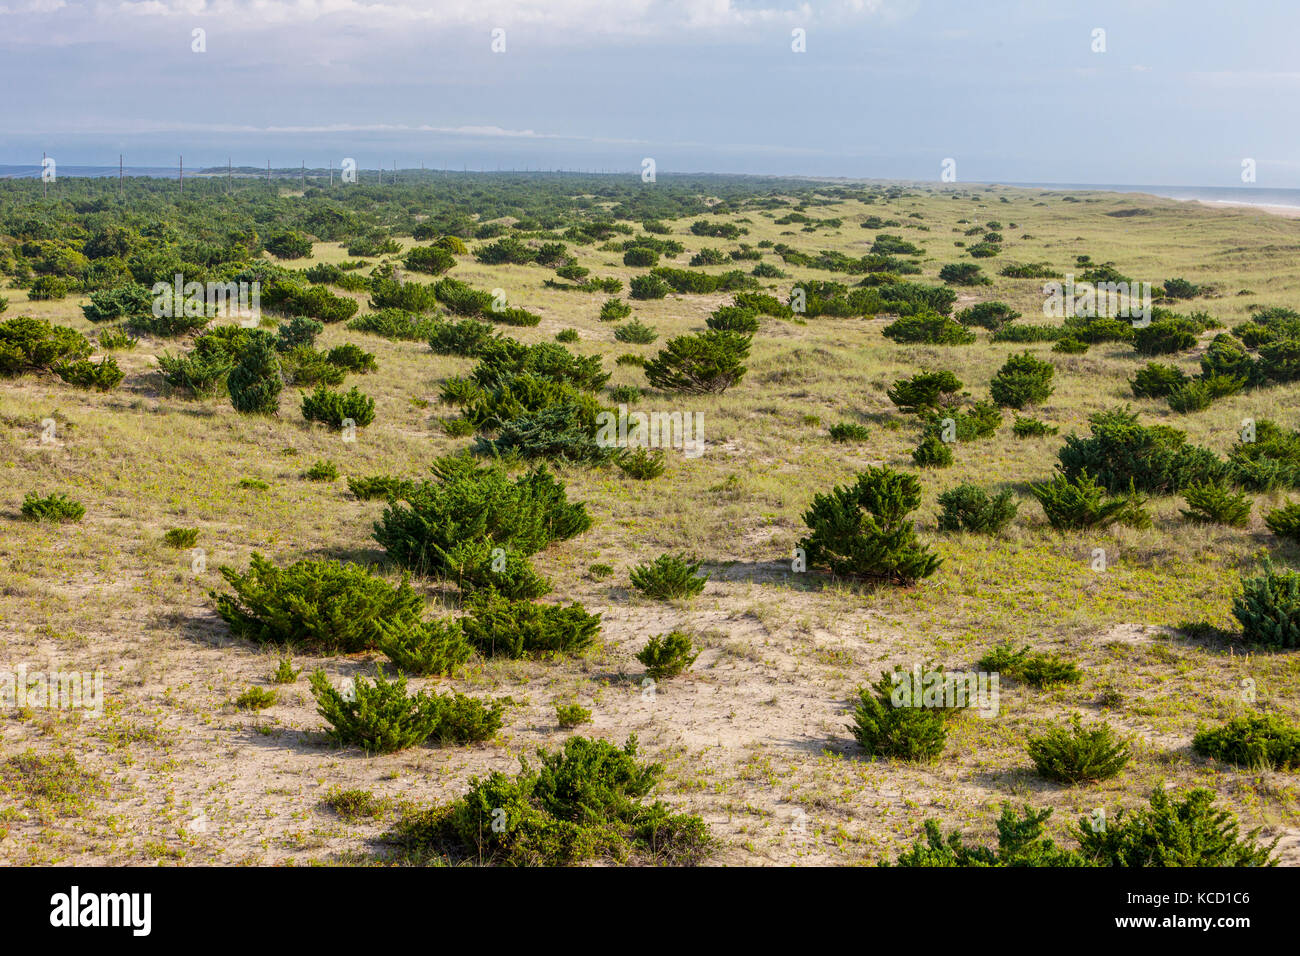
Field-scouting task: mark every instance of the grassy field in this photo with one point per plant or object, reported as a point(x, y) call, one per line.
point(754, 737)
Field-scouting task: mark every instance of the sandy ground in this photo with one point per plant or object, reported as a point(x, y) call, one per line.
point(1290, 212)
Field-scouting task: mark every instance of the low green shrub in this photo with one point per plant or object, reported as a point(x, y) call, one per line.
point(928, 328)
point(1077, 754)
point(583, 803)
point(571, 715)
point(322, 471)
point(1022, 380)
point(55, 507)
point(924, 390)
point(256, 698)
point(709, 362)
point(424, 648)
point(1032, 428)
point(1165, 833)
point(498, 626)
point(640, 464)
point(102, 376)
point(669, 576)
point(863, 531)
point(635, 332)
point(1155, 380)
point(1285, 521)
point(1268, 608)
point(334, 408)
point(34, 345)
point(380, 717)
point(1074, 504)
point(611, 310)
point(667, 655)
point(1257, 741)
point(370, 487)
point(326, 606)
point(932, 452)
point(892, 720)
point(849, 431)
point(181, 537)
point(1036, 668)
point(971, 508)
point(1215, 504)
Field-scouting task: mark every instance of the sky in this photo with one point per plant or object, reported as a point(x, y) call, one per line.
point(1174, 92)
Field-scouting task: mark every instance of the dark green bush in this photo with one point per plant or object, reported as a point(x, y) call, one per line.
point(988, 315)
point(101, 376)
point(351, 358)
point(928, 328)
point(932, 452)
point(1255, 742)
point(667, 655)
point(396, 324)
point(466, 505)
point(1215, 504)
point(849, 431)
point(1080, 502)
point(963, 273)
point(614, 309)
point(1167, 833)
point(1077, 754)
point(971, 508)
point(1154, 459)
point(926, 389)
point(433, 260)
point(635, 332)
point(1164, 336)
point(733, 318)
point(255, 383)
point(424, 648)
point(55, 507)
point(380, 717)
point(124, 301)
point(863, 530)
point(498, 626)
point(1155, 380)
point(891, 718)
point(669, 576)
point(648, 287)
point(583, 803)
point(334, 408)
point(379, 486)
point(34, 345)
point(1022, 380)
point(709, 362)
point(1032, 428)
point(1268, 608)
point(1036, 668)
point(327, 606)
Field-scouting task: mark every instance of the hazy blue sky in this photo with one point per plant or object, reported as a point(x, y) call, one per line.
point(887, 88)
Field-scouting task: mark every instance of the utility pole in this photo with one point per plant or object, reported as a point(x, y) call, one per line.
point(302, 177)
point(182, 175)
point(331, 172)
point(229, 173)
point(268, 172)
point(121, 184)
point(45, 183)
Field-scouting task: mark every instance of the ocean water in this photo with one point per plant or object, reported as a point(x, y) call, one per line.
point(1251, 195)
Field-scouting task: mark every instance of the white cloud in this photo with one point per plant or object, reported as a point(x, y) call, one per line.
point(554, 19)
